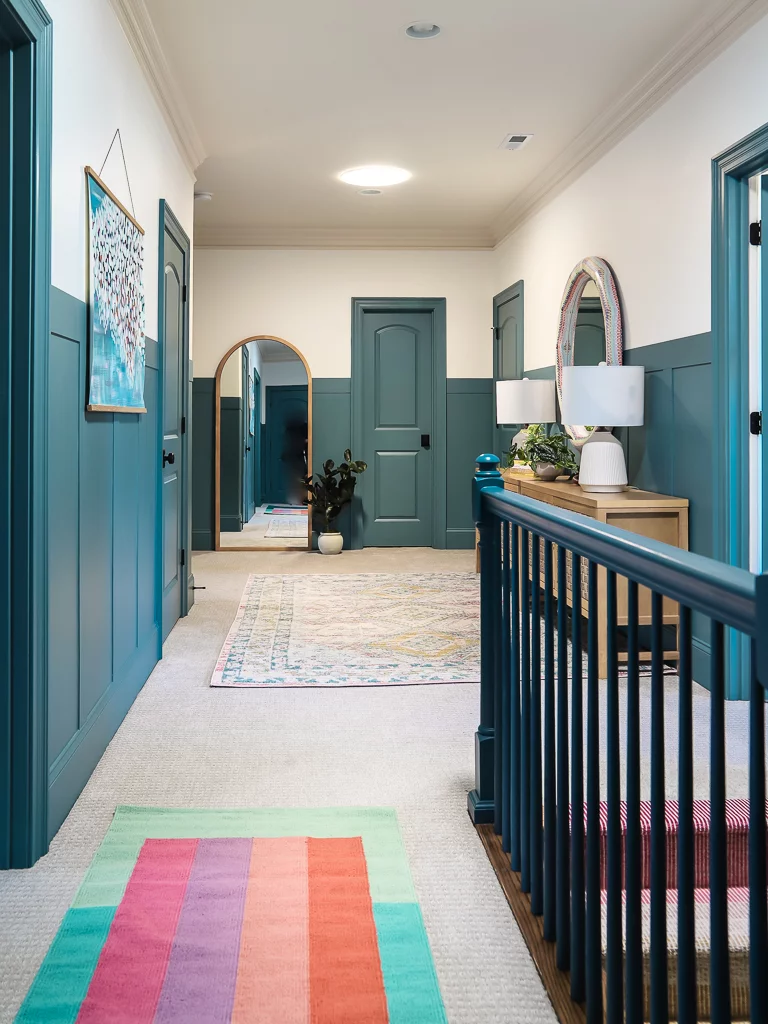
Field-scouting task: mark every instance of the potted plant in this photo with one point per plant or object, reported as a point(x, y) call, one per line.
point(549, 457)
point(329, 492)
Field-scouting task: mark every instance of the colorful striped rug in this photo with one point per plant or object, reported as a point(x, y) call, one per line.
point(243, 916)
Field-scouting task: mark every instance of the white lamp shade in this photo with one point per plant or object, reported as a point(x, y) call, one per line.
point(603, 396)
point(525, 401)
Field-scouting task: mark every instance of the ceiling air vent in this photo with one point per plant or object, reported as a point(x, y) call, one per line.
point(514, 141)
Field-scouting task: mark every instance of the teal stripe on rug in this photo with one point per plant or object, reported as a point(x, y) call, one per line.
point(63, 979)
point(413, 994)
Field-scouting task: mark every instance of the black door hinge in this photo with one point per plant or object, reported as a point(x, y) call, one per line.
point(755, 423)
point(183, 424)
point(496, 333)
point(184, 293)
point(183, 560)
point(756, 233)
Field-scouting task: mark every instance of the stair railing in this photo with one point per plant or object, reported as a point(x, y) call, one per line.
point(531, 784)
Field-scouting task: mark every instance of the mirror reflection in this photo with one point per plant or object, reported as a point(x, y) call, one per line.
point(589, 342)
point(264, 448)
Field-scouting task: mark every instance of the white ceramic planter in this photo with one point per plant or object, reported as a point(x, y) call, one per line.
point(330, 543)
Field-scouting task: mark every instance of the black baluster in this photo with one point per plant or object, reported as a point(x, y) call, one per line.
point(593, 945)
point(537, 886)
point(505, 688)
point(686, 857)
point(515, 701)
point(550, 785)
point(578, 886)
point(634, 840)
point(659, 976)
point(525, 716)
point(719, 968)
point(614, 946)
point(562, 851)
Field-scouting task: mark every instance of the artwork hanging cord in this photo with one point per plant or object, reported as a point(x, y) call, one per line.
point(117, 314)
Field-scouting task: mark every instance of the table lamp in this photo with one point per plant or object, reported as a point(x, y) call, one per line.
point(525, 401)
point(608, 396)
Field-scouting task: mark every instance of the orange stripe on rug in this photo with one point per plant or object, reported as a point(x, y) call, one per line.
point(346, 983)
point(273, 971)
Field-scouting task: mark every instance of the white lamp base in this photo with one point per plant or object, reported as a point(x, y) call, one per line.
point(603, 467)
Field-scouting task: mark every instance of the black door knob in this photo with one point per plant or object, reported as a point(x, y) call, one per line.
point(425, 440)
point(247, 447)
point(168, 458)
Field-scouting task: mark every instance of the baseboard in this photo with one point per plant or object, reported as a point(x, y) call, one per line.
point(202, 540)
point(231, 524)
point(460, 539)
point(74, 766)
point(701, 662)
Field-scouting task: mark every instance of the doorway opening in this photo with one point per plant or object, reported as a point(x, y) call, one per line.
point(263, 447)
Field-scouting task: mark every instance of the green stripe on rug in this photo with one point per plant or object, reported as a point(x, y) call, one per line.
point(65, 974)
point(388, 871)
point(413, 994)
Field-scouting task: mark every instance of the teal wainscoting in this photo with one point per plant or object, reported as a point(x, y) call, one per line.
point(203, 440)
point(103, 553)
point(672, 452)
point(332, 429)
point(231, 465)
point(470, 432)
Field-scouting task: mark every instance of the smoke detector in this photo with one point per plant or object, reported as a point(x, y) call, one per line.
point(514, 141)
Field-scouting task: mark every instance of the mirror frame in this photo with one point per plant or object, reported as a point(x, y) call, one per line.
point(596, 269)
point(217, 446)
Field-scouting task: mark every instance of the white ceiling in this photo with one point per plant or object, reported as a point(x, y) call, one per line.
point(284, 95)
point(276, 352)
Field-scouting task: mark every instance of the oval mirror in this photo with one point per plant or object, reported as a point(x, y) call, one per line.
point(591, 327)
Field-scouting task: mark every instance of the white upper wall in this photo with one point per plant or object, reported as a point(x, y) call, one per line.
point(304, 296)
point(97, 88)
point(646, 208)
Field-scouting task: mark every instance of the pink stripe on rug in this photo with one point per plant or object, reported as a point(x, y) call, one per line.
point(200, 982)
point(273, 976)
point(128, 979)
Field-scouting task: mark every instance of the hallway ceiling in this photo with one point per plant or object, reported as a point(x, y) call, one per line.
point(285, 95)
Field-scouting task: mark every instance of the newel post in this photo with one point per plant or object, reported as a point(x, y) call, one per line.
point(480, 802)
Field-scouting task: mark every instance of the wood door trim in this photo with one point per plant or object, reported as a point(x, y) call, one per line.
point(217, 441)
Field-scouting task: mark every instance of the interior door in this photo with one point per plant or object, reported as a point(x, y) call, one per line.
point(174, 578)
point(249, 444)
point(396, 491)
point(508, 357)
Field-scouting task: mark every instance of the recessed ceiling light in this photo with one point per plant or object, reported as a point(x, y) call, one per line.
point(422, 30)
point(369, 192)
point(374, 175)
point(204, 197)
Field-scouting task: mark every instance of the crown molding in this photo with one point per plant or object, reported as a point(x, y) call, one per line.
point(140, 32)
point(245, 237)
point(705, 41)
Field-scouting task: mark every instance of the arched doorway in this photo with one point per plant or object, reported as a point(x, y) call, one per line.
point(263, 340)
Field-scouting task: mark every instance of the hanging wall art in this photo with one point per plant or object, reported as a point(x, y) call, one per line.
point(117, 318)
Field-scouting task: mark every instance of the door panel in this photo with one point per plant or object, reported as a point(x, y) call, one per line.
point(173, 378)
point(285, 407)
point(508, 357)
point(396, 492)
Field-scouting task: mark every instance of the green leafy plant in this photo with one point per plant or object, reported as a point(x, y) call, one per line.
point(332, 489)
point(554, 450)
point(510, 455)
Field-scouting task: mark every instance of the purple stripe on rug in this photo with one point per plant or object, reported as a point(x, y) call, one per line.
point(200, 982)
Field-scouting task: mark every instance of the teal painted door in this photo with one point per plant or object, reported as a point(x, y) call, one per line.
point(508, 355)
point(396, 491)
point(249, 446)
point(762, 559)
point(173, 382)
point(286, 444)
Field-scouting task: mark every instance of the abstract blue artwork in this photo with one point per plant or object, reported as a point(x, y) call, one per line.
point(117, 320)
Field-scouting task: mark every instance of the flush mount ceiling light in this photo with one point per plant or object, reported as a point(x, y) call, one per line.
point(369, 192)
point(374, 176)
point(423, 30)
point(204, 197)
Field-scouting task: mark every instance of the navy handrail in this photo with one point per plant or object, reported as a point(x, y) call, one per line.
point(724, 592)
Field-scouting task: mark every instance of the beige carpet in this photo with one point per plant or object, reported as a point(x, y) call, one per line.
point(187, 745)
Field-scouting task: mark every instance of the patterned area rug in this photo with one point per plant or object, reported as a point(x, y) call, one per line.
point(354, 630)
point(242, 916)
point(284, 526)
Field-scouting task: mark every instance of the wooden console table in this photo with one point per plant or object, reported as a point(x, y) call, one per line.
point(657, 516)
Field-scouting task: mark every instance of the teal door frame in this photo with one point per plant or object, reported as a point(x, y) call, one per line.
point(436, 308)
point(731, 171)
point(170, 223)
point(502, 433)
point(26, 70)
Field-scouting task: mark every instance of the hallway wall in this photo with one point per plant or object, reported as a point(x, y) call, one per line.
point(646, 208)
point(103, 512)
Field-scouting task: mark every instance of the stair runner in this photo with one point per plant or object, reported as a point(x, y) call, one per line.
point(737, 818)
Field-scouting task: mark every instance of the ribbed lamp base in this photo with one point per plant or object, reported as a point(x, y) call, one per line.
point(603, 467)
